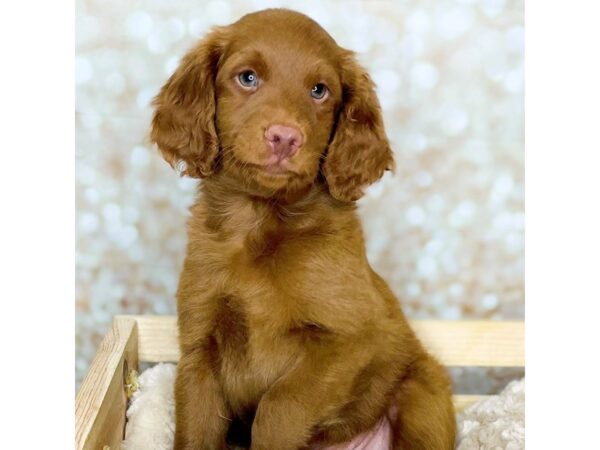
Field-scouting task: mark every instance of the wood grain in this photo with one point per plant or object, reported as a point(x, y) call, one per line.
point(472, 343)
point(101, 402)
point(455, 343)
point(463, 401)
point(157, 338)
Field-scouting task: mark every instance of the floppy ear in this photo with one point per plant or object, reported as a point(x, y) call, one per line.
point(183, 125)
point(359, 152)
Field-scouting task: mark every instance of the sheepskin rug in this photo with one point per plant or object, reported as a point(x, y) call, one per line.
point(495, 423)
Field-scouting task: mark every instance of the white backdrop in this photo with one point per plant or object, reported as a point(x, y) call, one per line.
point(446, 231)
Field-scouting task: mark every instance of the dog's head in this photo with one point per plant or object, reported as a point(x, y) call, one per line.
point(275, 103)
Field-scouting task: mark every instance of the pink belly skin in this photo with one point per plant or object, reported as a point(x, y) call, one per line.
point(377, 438)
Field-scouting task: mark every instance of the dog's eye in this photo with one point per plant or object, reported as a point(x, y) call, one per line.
point(248, 79)
point(319, 91)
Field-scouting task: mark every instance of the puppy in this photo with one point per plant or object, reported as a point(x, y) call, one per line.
point(288, 338)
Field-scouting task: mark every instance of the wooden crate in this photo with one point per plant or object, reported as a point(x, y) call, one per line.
point(101, 402)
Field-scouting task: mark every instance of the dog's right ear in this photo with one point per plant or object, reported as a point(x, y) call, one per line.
point(183, 125)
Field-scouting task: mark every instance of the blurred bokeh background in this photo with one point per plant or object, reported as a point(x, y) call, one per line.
point(446, 231)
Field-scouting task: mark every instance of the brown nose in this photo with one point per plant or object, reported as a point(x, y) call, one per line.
point(284, 141)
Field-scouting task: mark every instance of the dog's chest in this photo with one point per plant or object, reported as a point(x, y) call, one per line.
point(273, 293)
point(259, 320)
point(250, 354)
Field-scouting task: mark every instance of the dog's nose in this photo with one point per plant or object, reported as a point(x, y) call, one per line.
point(285, 141)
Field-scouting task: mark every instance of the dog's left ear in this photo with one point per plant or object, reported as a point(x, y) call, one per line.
point(359, 152)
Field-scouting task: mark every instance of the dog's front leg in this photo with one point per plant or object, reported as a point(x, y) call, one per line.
point(201, 412)
point(311, 391)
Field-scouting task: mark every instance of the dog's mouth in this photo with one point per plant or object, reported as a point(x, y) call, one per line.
point(277, 169)
point(272, 174)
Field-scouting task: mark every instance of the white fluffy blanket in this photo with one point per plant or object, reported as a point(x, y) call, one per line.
point(495, 423)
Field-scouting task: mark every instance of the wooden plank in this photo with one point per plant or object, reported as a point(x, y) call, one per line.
point(157, 338)
point(101, 402)
point(481, 343)
point(455, 343)
point(463, 401)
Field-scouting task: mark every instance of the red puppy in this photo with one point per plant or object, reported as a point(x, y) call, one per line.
point(285, 330)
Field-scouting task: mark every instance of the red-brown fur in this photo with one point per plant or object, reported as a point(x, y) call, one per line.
point(284, 326)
